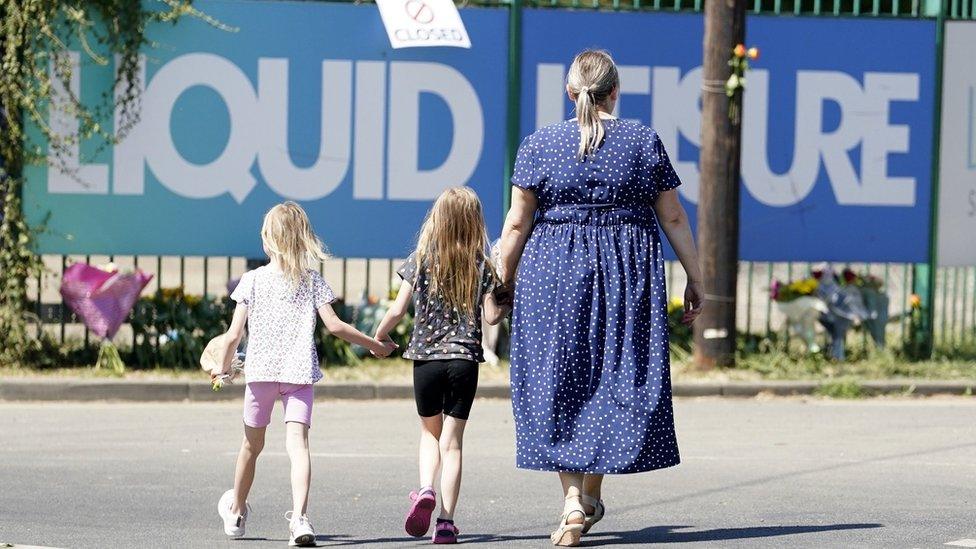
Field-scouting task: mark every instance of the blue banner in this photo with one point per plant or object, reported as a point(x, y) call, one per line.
point(307, 101)
point(837, 132)
point(302, 101)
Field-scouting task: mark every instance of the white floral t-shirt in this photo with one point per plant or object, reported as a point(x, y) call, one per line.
point(281, 325)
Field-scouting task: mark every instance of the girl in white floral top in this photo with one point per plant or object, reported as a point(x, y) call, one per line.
point(279, 303)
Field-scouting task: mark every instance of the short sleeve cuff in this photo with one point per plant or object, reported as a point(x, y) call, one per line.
point(524, 173)
point(665, 177)
point(321, 291)
point(408, 269)
point(242, 292)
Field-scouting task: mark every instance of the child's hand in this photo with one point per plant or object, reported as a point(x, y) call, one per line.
point(219, 372)
point(504, 295)
point(384, 346)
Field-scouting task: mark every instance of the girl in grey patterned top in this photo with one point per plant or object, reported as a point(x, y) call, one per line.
point(450, 282)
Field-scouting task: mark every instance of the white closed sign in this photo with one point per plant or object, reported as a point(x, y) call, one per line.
point(423, 23)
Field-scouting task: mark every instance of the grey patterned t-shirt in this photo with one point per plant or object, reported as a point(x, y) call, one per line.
point(438, 333)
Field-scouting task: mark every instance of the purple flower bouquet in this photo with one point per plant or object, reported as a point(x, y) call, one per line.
point(103, 300)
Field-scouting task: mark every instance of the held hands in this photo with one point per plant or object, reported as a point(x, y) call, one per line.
point(694, 300)
point(384, 345)
point(504, 295)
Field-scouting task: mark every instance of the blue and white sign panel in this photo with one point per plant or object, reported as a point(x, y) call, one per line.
point(305, 102)
point(837, 134)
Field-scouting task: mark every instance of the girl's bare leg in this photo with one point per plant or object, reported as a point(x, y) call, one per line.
point(430, 456)
point(246, 460)
point(296, 442)
point(451, 441)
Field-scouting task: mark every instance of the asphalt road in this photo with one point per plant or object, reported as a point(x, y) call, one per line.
point(775, 473)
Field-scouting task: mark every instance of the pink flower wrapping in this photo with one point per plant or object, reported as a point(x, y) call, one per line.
point(102, 299)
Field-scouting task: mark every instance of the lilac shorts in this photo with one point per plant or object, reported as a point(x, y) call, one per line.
point(260, 396)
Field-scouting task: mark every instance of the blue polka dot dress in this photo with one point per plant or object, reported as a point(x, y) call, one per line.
point(591, 388)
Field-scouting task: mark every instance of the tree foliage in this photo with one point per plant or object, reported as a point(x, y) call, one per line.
point(35, 36)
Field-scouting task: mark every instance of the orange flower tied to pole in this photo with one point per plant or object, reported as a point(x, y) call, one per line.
point(737, 80)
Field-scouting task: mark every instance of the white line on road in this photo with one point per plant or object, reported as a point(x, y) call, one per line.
point(868, 460)
point(333, 455)
point(963, 543)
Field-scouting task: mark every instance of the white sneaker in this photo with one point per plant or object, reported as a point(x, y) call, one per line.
point(301, 532)
point(233, 523)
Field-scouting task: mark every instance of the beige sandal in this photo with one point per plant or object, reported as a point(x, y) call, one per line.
point(568, 535)
point(598, 511)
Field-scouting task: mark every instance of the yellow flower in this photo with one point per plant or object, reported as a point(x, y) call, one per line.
point(675, 303)
point(916, 301)
point(753, 53)
point(739, 51)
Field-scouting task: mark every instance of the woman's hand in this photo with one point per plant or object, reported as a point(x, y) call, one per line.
point(504, 294)
point(694, 300)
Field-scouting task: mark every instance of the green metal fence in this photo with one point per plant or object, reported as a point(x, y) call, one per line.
point(953, 9)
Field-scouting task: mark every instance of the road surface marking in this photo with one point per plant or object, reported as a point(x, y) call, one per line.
point(332, 455)
point(963, 543)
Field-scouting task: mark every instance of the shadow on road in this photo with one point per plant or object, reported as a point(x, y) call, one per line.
point(651, 534)
point(671, 534)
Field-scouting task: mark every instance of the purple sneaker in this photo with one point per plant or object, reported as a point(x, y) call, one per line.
point(445, 532)
point(418, 519)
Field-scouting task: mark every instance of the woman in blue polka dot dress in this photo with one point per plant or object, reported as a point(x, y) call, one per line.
point(591, 388)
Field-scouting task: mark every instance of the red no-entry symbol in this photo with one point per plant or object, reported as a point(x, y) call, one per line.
point(419, 11)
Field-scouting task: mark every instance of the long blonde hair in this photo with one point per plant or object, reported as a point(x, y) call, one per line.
point(452, 245)
point(288, 239)
point(592, 77)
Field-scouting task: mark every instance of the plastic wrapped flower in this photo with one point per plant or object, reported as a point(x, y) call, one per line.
point(102, 299)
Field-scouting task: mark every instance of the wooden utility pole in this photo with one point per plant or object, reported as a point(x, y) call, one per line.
point(718, 202)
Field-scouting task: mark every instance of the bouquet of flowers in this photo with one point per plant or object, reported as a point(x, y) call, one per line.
point(212, 358)
point(873, 298)
point(103, 298)
point(798, 302)
point(866, 281)
point(784, 293)
point(845, 308)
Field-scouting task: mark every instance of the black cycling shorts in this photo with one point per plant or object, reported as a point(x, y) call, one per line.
point(445, 386)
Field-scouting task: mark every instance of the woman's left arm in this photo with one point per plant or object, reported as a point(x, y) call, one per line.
point(518, 226)
point(674, 221)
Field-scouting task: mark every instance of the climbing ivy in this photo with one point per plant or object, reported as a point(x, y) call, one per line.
point(34, 39)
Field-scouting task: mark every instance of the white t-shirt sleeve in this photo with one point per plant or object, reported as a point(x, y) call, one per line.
point(244, 290)
point(321, 291)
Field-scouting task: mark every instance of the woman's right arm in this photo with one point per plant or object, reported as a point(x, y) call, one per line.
point(518, 226)
point(674, 221)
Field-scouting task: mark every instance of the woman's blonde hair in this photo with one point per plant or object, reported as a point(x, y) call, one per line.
point(452, 246)
point(288, 238)
point(592, 77)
